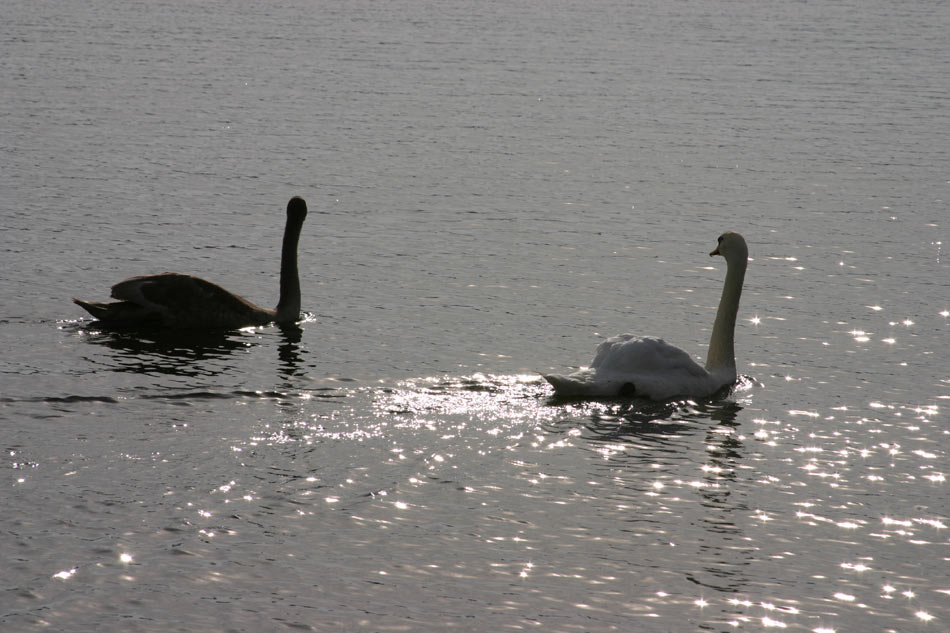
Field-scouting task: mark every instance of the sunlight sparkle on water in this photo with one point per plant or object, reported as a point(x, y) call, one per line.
point(855, 566)
point(506, 401)
point(762, 516)
point(930, 409)
point(125, 557)
point(772, 623)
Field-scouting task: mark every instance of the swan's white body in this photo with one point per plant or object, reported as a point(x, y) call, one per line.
point(173, 300)
point(629, 365)
point(643, 366)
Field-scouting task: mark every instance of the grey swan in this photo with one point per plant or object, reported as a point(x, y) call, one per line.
point(649, 367)
point(177, 301)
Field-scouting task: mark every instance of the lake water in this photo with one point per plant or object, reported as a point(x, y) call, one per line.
point(494, 187)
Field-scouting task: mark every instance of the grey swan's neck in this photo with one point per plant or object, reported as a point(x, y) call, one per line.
point(721, 356)
point(288, 306)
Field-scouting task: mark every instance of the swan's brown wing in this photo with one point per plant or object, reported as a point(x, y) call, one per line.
point(187, 301)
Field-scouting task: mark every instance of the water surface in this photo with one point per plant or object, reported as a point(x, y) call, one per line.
point(494, 188)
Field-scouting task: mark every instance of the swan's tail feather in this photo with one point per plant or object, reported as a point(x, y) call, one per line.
point(576, 385)
point(588, 383)
point(119, 313)
point(561, 384)
point(95, 308)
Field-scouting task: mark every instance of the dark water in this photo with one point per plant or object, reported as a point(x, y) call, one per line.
point(494, 187)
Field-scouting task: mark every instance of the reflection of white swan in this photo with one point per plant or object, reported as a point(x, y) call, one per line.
point(628, 365)
point(181, 301)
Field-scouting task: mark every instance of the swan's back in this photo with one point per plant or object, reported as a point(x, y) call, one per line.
point(631, 354)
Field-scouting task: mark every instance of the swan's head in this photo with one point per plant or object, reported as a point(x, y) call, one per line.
point(732, 246)
point(296, 210)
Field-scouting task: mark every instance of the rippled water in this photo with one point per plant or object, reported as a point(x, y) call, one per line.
point(494, 187)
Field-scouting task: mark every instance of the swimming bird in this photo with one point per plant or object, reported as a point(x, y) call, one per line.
point(629, 365)
point(174, 300)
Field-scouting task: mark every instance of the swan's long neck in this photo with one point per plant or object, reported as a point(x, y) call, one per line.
point(722, 354)
point(288, 307)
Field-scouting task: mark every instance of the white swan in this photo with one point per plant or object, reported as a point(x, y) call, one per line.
point(173, 300)
point(628, 365)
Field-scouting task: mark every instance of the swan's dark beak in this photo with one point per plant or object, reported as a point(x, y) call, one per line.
point(715, 252)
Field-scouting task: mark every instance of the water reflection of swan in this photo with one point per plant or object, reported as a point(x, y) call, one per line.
point(288, 352)
point(168, 352)
point(173, 300)
point(190, 352)
point(629, 365)
point(656, 422)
